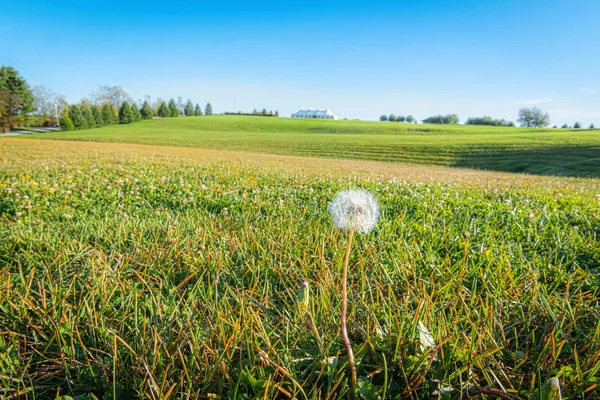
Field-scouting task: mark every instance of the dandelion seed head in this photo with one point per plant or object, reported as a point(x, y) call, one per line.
point(354, 210)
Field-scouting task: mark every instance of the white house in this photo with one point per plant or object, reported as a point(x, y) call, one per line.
point(318, 114)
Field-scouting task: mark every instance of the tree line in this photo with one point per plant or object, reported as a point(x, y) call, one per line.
point(21, 105)
point(400, 118)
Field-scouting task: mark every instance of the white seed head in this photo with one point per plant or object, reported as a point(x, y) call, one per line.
point(354, 210)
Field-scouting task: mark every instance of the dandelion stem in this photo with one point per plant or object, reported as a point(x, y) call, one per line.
point(344, 310)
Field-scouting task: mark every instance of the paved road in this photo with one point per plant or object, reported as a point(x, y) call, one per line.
point(28, 132)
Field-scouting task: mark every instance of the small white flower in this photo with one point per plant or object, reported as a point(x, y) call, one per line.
point(354, 210)
point(18, 214)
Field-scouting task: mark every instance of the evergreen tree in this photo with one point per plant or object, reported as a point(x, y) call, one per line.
point(146, 111)
point(163, 110)
point(198, 110)
point(17, 98)
point(189, 108)
point(66, 124)
point(125, 114)
point(276, 113)
point(208, 109)
point(135, 112)
point(592, 126)
point(173, 108)
point(76, 115)
point(108, 114)
point(97, 116)
point(86, 110)
point(577, 125)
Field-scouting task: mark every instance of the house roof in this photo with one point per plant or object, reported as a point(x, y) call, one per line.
point(311, 112)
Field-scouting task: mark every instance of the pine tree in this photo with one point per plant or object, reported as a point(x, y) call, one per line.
point(577, 125)
point(591, 126)
point(87, 114)
point(97, 116)
point(125, 114)
point(146, 111)
point(163, 110)
point(208, 109)
point(135, 112)
point(198, 110)
point(76, 115)
point(276, 113)
point(189, 108)
point(173, 107)
point(108, 114)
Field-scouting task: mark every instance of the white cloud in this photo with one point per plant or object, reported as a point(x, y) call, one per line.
point(533, 102)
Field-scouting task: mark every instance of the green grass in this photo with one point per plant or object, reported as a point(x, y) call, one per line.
point(139, 272)
point(560, 152)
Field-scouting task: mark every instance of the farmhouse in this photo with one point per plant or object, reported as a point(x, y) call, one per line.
point(310, 113)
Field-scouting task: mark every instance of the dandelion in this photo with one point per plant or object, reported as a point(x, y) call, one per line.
point(352, 210)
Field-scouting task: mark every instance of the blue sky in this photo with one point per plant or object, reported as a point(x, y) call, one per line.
point(359, 58)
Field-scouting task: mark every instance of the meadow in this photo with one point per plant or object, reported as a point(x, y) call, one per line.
point(562, 152)
point(135, 271)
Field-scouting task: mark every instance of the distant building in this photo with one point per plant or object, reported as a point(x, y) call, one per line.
point(317, 114)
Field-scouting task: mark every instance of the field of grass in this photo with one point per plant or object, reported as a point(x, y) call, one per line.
point(132, 271)
point(561, 152)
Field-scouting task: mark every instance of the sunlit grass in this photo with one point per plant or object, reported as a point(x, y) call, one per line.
point(562, 152)
point(154, 272)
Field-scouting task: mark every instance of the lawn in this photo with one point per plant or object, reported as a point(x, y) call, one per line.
point(134, 271)
point(561, 152)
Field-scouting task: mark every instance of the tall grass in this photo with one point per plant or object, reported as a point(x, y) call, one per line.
point(161, 277)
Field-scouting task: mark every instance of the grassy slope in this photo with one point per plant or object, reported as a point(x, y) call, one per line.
point(158, 272)
point(537, 151)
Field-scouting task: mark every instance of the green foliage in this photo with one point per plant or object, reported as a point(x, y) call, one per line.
point(78, 117)
point(401, 118)
point(66, 123)
point(208, 109)
point(488, 121)
point(392, 118)
point(577, 125)
point(86, 110)
point(109, 116)
point(189, 108)
point(97, 114)
point(197, 110)
point(163, 110)
point(131, 268)
point(565, 126)
point(146, 111)
point(383, 117)
point(410, 119)
point(449, 119)
point(591, 126)
point(125, 114)
point(173, 110)
point(16, 98)
point(533, 118)
point(135, 113)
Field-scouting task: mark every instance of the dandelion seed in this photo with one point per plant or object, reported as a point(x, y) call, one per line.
point(356, 210)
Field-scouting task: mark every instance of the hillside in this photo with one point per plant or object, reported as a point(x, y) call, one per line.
point(559, 152)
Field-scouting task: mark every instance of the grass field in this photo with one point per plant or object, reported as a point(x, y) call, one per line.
point(559, 152)
point(133, 271)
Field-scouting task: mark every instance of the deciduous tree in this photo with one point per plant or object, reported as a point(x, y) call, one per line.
point(114, 95)
point(533, 118)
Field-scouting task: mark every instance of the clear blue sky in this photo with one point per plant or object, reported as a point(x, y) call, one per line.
point(359, 58)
